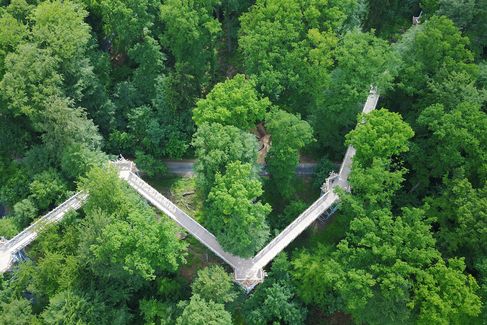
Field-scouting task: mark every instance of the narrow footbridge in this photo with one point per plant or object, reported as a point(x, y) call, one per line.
point(248, 272)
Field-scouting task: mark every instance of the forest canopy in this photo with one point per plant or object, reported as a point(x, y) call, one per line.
point(249, 93)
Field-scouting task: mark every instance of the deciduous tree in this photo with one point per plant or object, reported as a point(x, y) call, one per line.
point(201, 312)
point(432, 51)
point(233, 213)
point(217, 145)
point(289, 134)
point(274, 301)
point(130, 239)
point(233, 102)
point(363, 60)
point(379, 134)
point(287, 47)
point(213, 283)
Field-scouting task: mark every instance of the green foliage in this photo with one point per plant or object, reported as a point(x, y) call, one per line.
point(123, 22)
point(482, 269)
point(233, 213)
point(17, 311)
point(47, 276)
point(323, 169)
point(153, 130)
point(390, 17)
point(461, 213)
point(201, 312)
point(287, 47)
point(121, 235)
point(67, 307)
point(233, 102)
point(190, 35)
point(24, 213)
point(217, 145)
point(8, 227)
point(64, 125)
point(59, 27)
point(275, 306)
point(431, 52)
point(149, 165)
point(466, 14)
point(150, 61)
point(455, 140)
point(191, 32)
point(388, 270)
point(15, 183)
point(77, 160)
point(454, 90)
point(47, 188)
point(214, 284)
point(274, 301)
point(374, 185)
point(12, 32)
point(379, 134)
point(156, 312)
point(379, 138)
point(290, 212)
point(79, 77)
point(30, 79)
point(315, 284)
point(289, 134)
point(363, 60)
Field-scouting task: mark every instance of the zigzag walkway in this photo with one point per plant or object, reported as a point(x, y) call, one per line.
point(247, 272)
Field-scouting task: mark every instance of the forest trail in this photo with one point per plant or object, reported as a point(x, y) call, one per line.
point(248, 272)
point(186, 168)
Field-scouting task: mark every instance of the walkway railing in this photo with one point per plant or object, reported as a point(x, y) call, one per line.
point(26, 236)
point(294, 229)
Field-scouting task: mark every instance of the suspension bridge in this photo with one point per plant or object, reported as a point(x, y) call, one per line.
point(247, 272)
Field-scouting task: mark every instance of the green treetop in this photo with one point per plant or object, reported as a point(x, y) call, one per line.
point(201, 312)
point(362, 60)
point(454, 142)
point(388, 270)
point(213, 283)
point(129, 237)
point(379, 134)
point(217, 145)
point(430, 52)
point(233, 213)
point(190, 34)
point(460, 212)
point(289, 134)
point(233, 102)
point(287, 46)
point(12, 32)
point(59, 26)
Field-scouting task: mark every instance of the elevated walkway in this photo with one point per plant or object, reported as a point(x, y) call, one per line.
point(247, 272)
point(29, 234)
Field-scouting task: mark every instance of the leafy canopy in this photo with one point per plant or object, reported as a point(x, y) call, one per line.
point(217, 145)
point(379, 134)
point(233, 102)
point(287, 46)
point(233, 213)
point(214, 284)
point(289, 134)
point(201, 312)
